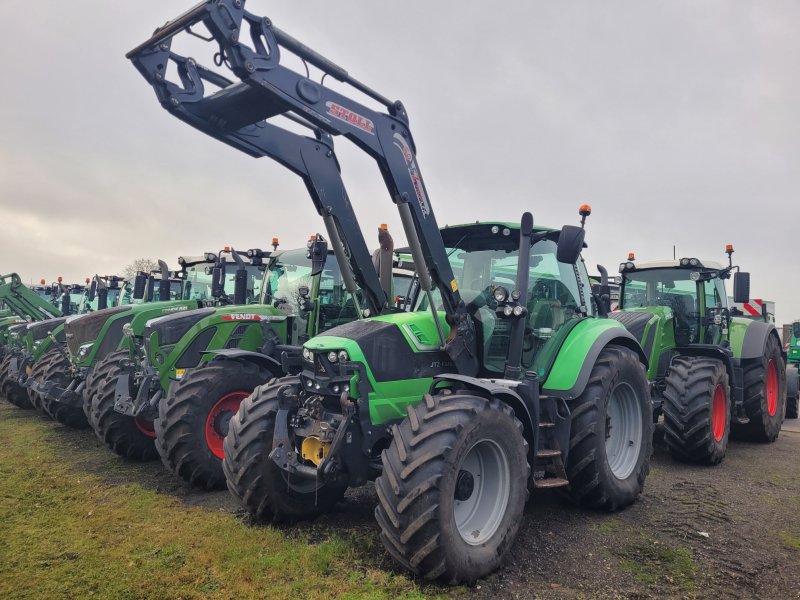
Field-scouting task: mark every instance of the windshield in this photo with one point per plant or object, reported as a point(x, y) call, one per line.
point(553, 300)
point(198, 283)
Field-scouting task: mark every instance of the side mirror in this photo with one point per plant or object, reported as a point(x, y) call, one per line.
point(217, 282)
point(741, 287)
point(92, 290)
point(570, 244)
point(102, 299)
point(318, 253)
point(139, 285)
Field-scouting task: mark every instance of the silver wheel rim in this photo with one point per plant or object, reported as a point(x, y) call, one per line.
point(623, 431)
point(478, 516)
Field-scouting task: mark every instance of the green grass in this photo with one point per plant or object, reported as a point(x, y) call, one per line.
point(69, 530)
point(790, 540)
point(649, 564)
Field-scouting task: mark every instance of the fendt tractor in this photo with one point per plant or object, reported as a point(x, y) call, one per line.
point(25, 306)
point(45, 338)
point(792, 368)
point(123, 395)
point(508, 378)
point(713, 374)
point(91, 337)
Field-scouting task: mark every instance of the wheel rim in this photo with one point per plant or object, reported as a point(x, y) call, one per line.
point(146, 427)
point(718, 412)
point(483, 486)
point(218, 420)
point(772, 388)
point(623, 431)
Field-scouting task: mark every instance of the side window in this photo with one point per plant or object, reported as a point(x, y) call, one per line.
point(712, 295)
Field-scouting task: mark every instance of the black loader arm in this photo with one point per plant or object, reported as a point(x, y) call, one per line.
point(313, 159)
point(250, 47)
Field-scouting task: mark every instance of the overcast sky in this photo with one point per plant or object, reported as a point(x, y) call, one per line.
point(679, 122)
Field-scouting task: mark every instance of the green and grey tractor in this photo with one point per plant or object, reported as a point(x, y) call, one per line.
point(508, 378)
point(712, 374)
point(61, 380)
point(122, 396)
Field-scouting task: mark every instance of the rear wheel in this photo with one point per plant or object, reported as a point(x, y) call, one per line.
point(792, 391)
point(195, 417)
point(697, 410)
point(764, 394)
point(4, 363)
point(264, 489)
point(57, 371)
point(611, 434)
point(453, 487)
point(127, 436)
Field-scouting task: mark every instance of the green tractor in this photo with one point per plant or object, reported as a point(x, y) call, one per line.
point(297, 304)
point(45, 336)
point(123, 393)
point(507, 379)
point(792, 368)
point(62, 380)
point(712, 374)
point(27, 306)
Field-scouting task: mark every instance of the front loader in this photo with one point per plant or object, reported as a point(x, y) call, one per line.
point(508, 379)
point(713, 374)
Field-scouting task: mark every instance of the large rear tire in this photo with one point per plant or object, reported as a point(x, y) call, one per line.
point(4, 363)
point(261, 486)
point(127, 436)
point(697, 410)
point(764, 394)
point(56, 371)
point(454, 487)
point(792, 391)
point(194, 419)
point(611, 433)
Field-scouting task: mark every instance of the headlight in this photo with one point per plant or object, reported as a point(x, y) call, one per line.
point(333, 357)
point(308, 355)
point(343, 357)
point(84, 350)
point(518, 310)
point(127, 330)
point(684, 262)
point(694, 262)
point(694, 275)
point(507, 310)
point(37, 343)
point(500, 294)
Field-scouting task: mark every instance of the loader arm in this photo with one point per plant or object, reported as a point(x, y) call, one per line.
point(268, 89)
point(313, 159)
point(23, 301)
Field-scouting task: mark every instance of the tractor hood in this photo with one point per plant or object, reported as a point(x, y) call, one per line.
point(40, 330)
point(86, 328)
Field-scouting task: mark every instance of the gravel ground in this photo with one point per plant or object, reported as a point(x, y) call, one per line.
point(730, 531)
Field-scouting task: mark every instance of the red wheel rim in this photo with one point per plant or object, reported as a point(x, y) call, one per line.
point(146, 427)
point(772, 388)
point(218, 418)
point(719, 412)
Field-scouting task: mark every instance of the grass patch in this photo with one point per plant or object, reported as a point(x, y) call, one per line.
point(790, 540)
point(650, 564)
point(609, 525)
point(68, 532)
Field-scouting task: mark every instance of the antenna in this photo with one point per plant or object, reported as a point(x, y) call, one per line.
point(673, 252)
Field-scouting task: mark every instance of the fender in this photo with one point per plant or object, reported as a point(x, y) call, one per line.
point(525, 410)
point(570, 371)
point(755, 339)
point(262, 360)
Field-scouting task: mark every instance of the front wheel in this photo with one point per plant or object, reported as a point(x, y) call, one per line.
point(57, 371)
point(195, 417)
point(697, 410)
point(454, 486)
point(130, 437)
point(611, 433)
point(264, 489)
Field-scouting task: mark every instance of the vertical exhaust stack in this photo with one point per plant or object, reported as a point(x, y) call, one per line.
point(164, 284)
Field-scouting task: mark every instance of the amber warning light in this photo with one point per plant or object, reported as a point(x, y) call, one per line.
point(631, 256)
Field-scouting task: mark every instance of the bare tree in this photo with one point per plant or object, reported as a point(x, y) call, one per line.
point(140, 264)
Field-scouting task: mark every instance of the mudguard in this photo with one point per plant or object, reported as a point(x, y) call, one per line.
point(755, 339)
point(571, 368)
point(263, 360)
